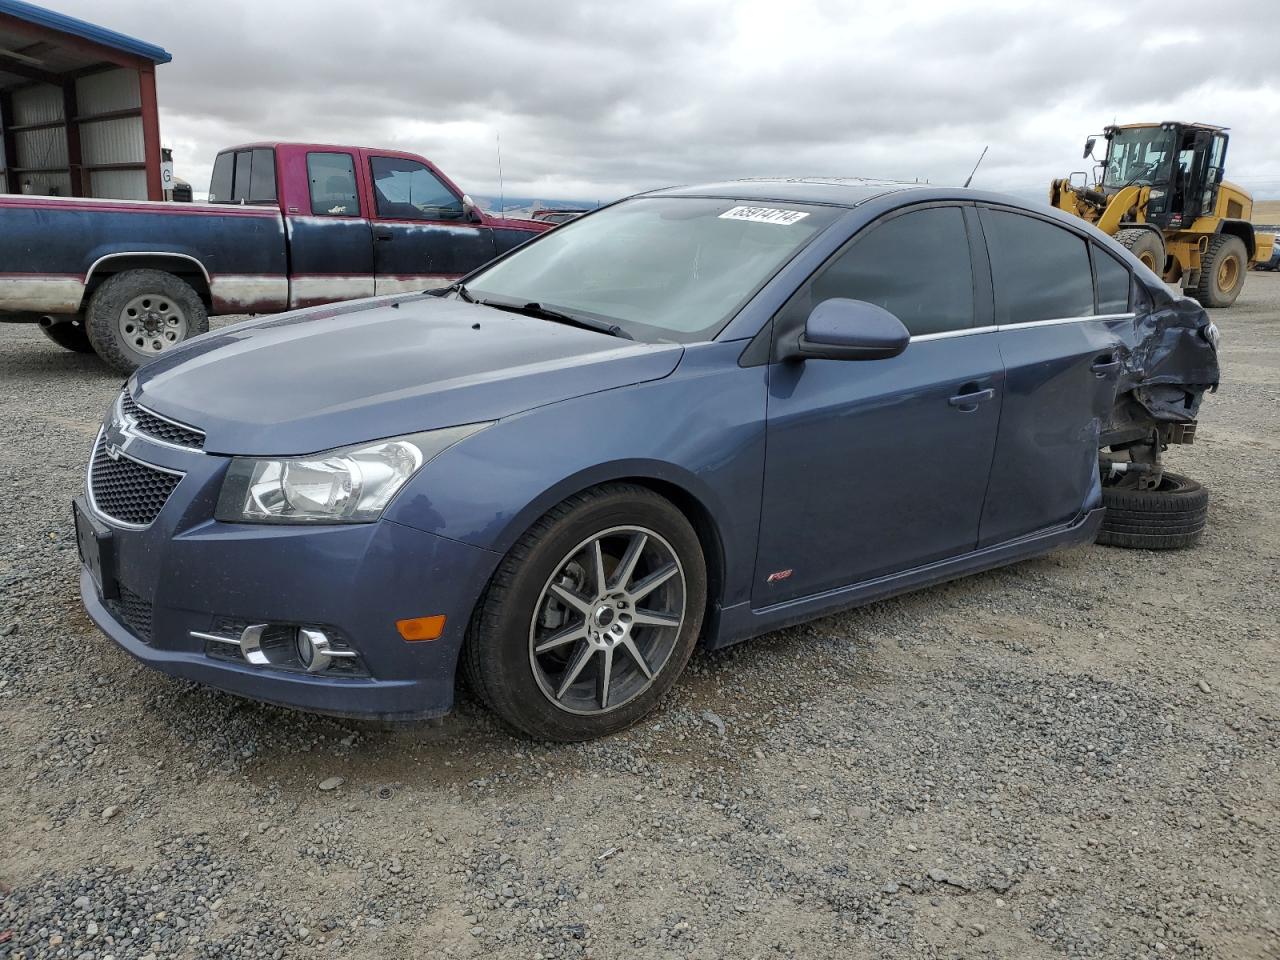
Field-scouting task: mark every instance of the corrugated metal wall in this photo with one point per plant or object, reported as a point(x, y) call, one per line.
point(112, 141)
point(42, 149)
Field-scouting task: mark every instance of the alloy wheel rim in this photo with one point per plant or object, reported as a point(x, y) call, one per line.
point(607, 620)
point(152, 323)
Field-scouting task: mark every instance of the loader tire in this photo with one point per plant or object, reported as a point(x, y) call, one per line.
point(1171, 516)
point(1222, 272)
point(137, 315)
point(1147, 246)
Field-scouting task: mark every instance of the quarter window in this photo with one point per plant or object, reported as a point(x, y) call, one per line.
point(1040, 271)
point(916, 266)
point(407, 190)
point(262, 178)
point(332, 177)
point(1113, 282)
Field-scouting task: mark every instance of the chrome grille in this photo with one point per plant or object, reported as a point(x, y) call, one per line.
point(146, 422)
point(126, 490)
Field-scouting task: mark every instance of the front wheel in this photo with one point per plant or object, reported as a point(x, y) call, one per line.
point(591, 617)
point(137, 315)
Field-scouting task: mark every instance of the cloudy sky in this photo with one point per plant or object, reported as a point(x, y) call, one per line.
point(594, 100)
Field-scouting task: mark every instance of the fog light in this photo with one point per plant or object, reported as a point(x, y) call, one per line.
point(313, 649)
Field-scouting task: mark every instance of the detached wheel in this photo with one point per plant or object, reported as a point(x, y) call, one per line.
point(1171, 516)
point(591, 617)
point(137, 315)
point(1147, 246)
point(1222, 272)
point(69, 335)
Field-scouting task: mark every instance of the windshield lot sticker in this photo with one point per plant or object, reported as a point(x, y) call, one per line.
point(764, 215)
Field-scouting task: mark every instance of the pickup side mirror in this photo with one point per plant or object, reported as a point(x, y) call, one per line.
point(840, 329)
point(470, 212)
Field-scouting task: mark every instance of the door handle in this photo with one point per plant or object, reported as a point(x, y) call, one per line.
point(1104, 366)
point(383, 233)
point(968, 402)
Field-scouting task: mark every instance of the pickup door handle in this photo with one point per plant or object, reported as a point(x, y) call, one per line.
point(1104, 366)
point(383, 233)
point(969, 401)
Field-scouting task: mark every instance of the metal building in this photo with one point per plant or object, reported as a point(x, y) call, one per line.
point(78, 113)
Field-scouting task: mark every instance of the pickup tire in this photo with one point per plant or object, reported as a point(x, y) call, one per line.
point(137, 315)
point(1171, 516)
point(69, 335)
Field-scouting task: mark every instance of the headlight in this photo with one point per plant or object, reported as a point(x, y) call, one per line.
point(350, 485)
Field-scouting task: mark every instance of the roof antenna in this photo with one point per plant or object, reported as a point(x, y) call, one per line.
point(502, 197)
point(976, 165)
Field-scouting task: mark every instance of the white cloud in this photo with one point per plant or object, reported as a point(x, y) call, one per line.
point(598, 99)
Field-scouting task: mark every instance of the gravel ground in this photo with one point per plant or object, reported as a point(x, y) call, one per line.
point(1073, 756)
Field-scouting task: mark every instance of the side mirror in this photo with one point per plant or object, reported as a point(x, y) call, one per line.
point(840, 329)
point(470, 212)
point(1088, 147)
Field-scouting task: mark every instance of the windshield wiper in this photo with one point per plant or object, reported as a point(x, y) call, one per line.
point(535, 309)
point(458, 288)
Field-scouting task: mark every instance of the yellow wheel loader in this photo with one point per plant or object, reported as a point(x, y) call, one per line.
point(1160, 192)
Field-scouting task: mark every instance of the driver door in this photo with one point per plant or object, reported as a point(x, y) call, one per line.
point(421, 236)
point(877, 466)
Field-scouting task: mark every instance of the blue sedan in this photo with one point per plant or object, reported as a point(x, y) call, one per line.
point(693, 416)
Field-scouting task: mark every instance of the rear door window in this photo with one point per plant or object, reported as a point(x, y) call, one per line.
point(332, 179)
point(407, 190)
point(262, 176)
point(1114, 282)
point(1040, 270)
point(916, 266)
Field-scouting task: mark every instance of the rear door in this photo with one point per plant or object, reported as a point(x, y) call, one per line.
point(1061, 351)
point(422, 238)
point(330, 251)
point(878, 466)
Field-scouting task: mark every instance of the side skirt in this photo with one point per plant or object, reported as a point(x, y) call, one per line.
point(740, 622)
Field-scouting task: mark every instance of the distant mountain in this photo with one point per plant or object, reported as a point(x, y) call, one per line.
point(524, 206)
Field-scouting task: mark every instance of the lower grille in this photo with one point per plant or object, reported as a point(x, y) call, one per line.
point(126, 490)
point(134, 612)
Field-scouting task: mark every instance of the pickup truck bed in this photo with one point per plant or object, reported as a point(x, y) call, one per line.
point(316, 224)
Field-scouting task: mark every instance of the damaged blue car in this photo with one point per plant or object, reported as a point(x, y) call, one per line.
point(691, 417)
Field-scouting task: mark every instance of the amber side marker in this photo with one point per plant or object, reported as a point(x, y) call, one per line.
point(421, 628)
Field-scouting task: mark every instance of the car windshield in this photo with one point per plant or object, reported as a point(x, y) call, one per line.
point(1140, 156)
point(660, 268)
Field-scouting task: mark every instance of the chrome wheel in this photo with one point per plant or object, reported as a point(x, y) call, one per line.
point(152, 323)
point(607, 620)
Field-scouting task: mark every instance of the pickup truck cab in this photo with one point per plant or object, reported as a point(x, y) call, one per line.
point(286, 225)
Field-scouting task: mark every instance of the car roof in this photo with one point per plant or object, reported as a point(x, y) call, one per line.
point(834, 191)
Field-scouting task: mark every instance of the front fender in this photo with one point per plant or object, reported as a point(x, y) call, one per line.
point(700, 430)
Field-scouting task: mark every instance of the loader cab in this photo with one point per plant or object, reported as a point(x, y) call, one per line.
point(1182, 163)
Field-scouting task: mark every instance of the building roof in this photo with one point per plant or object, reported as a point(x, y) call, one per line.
point(51, 20)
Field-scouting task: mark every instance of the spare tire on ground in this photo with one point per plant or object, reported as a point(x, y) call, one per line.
point(1170, 516)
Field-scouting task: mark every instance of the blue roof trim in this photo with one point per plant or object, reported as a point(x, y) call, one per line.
point(88, 31)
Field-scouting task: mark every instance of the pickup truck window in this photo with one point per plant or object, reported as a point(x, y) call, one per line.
point(220, 183)
point(408, 190)
point(244, 176)
point(332, 179)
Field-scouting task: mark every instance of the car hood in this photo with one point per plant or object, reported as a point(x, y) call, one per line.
point(321, 378)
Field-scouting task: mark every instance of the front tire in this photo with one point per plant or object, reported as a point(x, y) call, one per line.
point(1169, 517)
point(1147, 246)
point(591, 617)
point(1222, 272)
point(137, 315)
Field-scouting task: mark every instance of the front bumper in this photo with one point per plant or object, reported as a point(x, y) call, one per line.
point(355, 580)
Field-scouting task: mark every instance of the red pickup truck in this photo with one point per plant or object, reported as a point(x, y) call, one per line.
point(287, 225)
